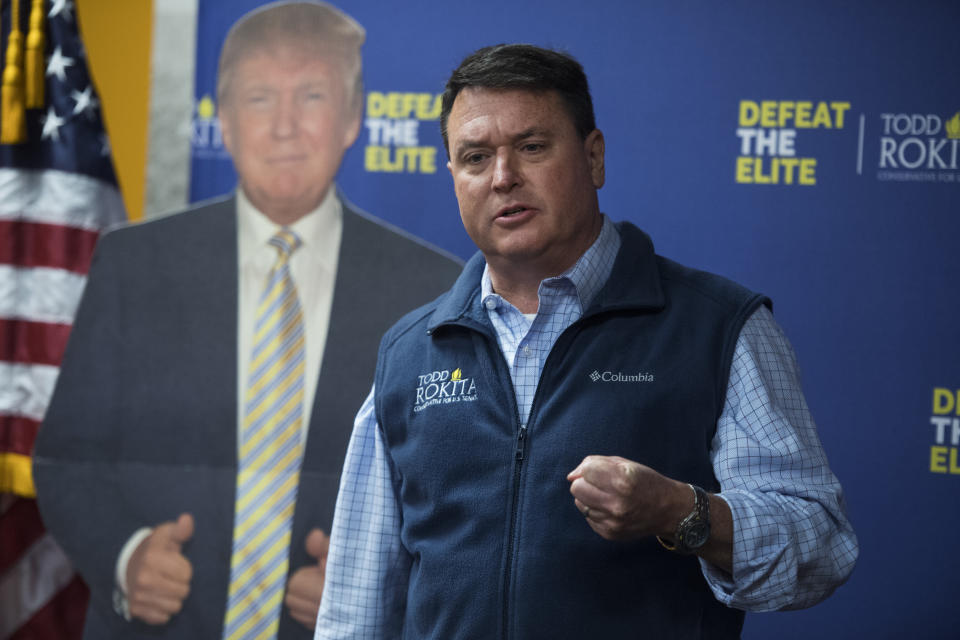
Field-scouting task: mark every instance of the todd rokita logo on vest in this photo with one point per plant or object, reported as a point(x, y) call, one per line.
point(913, 146)
point(619, 376)
point(444, 387)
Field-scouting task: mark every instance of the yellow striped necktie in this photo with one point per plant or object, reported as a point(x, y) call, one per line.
point(270, 454)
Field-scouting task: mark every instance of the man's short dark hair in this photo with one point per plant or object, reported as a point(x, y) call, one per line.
point(523, 66)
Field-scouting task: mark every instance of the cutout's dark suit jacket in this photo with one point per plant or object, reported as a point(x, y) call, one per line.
point(143, 424)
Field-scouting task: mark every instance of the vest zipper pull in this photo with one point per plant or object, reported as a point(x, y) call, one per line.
point(521, 442)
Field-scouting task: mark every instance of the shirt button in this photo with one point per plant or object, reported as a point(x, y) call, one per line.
point(490, 303)
point(526, 349)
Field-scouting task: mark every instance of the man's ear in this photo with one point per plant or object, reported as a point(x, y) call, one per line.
point(594, 147)
point(352, 129)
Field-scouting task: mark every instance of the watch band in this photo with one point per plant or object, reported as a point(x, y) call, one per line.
point(694, 530)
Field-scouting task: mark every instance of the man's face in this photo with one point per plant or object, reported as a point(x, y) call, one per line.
point(525, 181)
point(286, 121)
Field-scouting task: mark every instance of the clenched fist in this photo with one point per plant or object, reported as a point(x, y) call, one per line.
point(625, 500)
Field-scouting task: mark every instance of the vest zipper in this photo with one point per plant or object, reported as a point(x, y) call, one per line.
point(508, 569)
point(519, 452)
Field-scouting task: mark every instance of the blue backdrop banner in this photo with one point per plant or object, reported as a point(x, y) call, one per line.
point(810, 151)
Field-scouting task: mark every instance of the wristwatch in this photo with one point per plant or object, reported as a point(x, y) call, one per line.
point(694, 530)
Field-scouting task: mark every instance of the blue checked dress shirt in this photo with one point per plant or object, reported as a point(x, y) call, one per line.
point(787, 506)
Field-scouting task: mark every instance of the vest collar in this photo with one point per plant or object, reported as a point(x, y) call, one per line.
point(634, 283)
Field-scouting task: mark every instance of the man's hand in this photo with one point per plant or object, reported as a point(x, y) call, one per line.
point(625, 500)
point(306, 584)
point(158, 575)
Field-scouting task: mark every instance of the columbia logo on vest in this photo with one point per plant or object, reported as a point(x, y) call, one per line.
point(614, 376)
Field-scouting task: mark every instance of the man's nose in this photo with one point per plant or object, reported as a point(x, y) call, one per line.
point(285, 119)
point(506, 173)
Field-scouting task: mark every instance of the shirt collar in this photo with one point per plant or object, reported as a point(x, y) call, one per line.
point(255, 228)
point(587, 275)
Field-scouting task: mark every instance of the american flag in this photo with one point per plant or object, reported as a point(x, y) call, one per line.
point(58, 190)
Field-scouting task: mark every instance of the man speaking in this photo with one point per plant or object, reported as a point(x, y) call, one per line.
point(190, 457)
point(573, 398)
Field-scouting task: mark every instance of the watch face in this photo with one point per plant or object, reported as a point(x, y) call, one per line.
point(696, 535)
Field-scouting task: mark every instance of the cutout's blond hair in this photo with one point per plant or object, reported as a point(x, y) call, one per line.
point(314, 24)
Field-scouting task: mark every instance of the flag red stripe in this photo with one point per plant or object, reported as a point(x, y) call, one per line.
point(17, 434)
point(20, 527)
point(61, 618)
point(30, 342)
point(35, 244)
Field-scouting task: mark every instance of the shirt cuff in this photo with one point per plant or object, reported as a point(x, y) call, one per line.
point(120, 603)
point(719, 581)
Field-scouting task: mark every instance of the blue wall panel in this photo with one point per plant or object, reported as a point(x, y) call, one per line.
point(862, 265)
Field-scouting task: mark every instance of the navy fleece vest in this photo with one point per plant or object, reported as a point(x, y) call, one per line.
point(499, 549)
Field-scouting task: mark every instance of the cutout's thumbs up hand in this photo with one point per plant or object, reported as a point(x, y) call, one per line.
point(305, 587)
point(158, 574)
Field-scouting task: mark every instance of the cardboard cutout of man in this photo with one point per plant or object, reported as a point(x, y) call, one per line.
point(190, 458)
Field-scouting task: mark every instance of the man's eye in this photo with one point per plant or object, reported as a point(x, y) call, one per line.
point(533, 147)
point(474, 158)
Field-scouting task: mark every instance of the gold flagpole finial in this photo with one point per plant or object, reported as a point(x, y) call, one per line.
point(36, 46)
point(13, 128)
